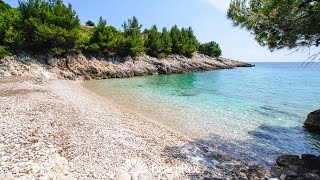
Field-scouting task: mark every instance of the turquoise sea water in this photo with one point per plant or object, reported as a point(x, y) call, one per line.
point(254, 114)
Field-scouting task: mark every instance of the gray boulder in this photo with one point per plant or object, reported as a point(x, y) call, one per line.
point(295, 167)
point(313, 122)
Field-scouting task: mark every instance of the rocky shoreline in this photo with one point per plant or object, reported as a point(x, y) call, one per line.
point(82, 67)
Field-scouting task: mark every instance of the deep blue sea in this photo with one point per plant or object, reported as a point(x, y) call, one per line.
point(254, 114)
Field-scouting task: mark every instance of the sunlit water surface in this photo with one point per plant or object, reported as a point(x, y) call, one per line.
point(254, 114)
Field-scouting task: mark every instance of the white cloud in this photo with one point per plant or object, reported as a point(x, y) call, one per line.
point(221, 5)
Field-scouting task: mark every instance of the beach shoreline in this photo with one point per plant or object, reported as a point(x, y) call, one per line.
point(53, 128)
point(69, 132)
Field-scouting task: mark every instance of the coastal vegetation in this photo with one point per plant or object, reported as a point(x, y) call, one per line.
point(211, 49)
point(51, 27)
point(46, 27)
point(279, 24)
point(8, 16)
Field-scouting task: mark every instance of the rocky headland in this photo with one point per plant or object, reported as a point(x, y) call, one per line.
point(83, 67)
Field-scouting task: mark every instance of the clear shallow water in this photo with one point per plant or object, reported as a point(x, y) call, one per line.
point(254, 114)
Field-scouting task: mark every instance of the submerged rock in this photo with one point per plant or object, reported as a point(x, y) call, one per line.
point(313, 122)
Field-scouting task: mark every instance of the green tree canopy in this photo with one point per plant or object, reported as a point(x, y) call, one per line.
point(47, 26)
point(166, 42)
point(176, 38)
point(279, 24)
point(51, 27)
point(8, 17)
point(132, 44)
point(183, 41)
point(211, 49)
point(153, 43)
point(190, 43)
point(104, 38)
point(5, 21)
point(132, 27)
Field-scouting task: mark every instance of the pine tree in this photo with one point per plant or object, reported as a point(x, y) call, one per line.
point(176, 37)
point(104, 38)
point(279, 24)
point(47, 26)
point(132, 27)
point(183, 41)
point(133, 43)
point(190, 43)
point(153, 44)
point(166, 42)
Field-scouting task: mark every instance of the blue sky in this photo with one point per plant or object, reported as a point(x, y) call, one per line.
point(206, 17)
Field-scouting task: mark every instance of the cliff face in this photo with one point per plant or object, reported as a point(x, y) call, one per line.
point(82, 67)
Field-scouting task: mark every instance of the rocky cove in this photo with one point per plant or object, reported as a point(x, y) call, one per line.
point(72, 132)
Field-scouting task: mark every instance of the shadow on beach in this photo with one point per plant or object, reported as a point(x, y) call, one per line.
point(232, 157)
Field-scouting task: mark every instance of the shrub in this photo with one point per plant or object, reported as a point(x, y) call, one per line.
point(4, 52)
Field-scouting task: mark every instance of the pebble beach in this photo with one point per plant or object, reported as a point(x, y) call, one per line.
point(56, 129)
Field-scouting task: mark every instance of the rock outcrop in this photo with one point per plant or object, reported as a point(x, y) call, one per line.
point(82, 67)
point(294, 167)
point(24, 66)
point(313, 122)
point(74, 67)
